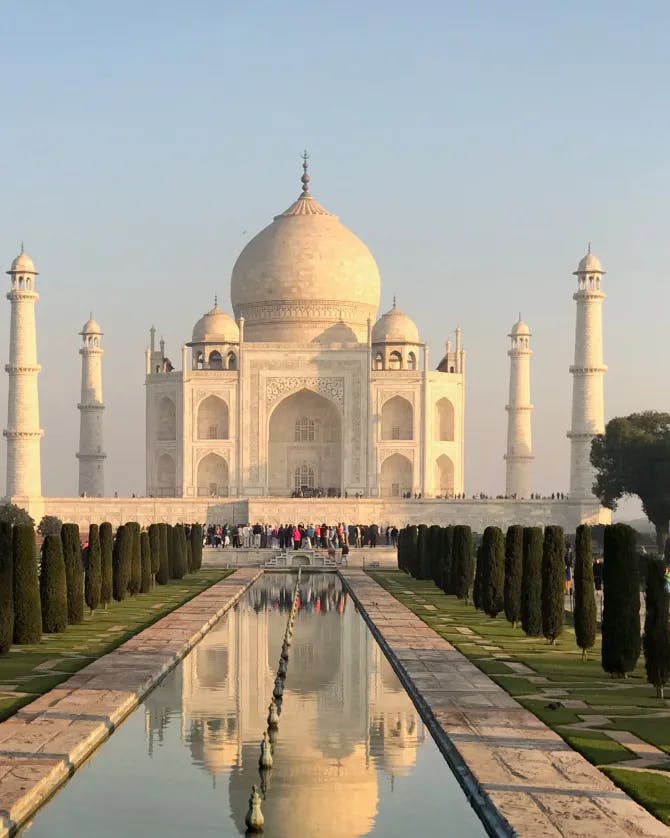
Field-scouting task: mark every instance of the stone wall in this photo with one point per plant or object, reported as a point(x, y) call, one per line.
point(477, 513)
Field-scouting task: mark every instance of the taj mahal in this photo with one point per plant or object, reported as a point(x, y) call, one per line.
point(305, 395)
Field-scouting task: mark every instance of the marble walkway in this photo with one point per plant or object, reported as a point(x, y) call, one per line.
point(523, 778)
point(45, 741)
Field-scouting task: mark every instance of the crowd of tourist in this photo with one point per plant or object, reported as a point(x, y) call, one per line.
point(340, 536)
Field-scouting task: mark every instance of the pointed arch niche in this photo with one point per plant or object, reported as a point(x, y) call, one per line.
point(212, 476)
point(167, 420)
point(213, 418)
point(397, 419)
point(444, 476)
point(166, 475)
point(444, 421)
point(395, 479)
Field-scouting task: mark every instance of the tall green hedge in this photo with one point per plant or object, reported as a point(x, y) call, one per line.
point(412, 548)
point(553, 583)
point(163, 574)
point(27, 607)
point(585, 616)
point(106, 553)
point(189, 551)
point(401, 552)
point(146, 576)
point(196, 546)
point(531, 582)
point(135, 578)
point(447, 537)
point(93, 569)
point(53, 586)
point(423, 553)
point(621, 601)
point(513, 572)
point(121, 562)
point(493, 587)
point(74, 573)
point(155, 549)
point(463, 563)
point(434, 543)
point(480, 572)
point(656, 639)
point(181, 555)
point(6, 587)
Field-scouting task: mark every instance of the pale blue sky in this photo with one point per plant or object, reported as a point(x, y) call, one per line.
point(475, 147)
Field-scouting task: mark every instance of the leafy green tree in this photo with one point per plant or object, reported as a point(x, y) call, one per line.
point(632, 457)
point(74, 573)
point(463, 562)
point(13, 514)
point(513, 572)
point(163, 575)
point(106, 554)
point(53, 587)
point(93, 569)
point(585, 616)
point(145, 550)
point(493, 580)
point(135, 578)
point(121, 562)
point(553, 583)
point(621, 601)
point(6, 587)
point(447, 537)
point(27, 609)
point(196, 546)
point(531, 582)
point(49, 525)
point(155, 548)
point(656, 639)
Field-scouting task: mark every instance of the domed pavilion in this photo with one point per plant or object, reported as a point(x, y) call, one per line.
point(302, 390)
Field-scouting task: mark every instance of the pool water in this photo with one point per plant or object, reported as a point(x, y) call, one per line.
point(351, 756)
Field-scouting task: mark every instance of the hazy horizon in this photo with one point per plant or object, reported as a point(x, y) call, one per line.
point(476, 152)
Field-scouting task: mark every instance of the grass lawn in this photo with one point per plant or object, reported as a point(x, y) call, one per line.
point(29, 671)
point(556, 685)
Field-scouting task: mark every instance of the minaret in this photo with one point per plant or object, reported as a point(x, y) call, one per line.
point(588, 414)
point(24, 475)
point(91, 455)
point(519, 456)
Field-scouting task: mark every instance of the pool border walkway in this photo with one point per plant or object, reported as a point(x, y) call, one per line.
point(520, 776)
point(47, 740)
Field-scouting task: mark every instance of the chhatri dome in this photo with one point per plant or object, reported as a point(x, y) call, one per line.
point(589, 264)
point(91, 327)
point(216, 327)
point(395, 327)
point(304, 274)
point(22, 263)
point(519, 328)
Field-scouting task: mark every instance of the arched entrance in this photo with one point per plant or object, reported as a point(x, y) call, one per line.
point(444, 476)
point(396, 476)
point(305, 441)
point(212, 476)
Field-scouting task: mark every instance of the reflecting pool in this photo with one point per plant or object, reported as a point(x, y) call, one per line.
point(351, 755)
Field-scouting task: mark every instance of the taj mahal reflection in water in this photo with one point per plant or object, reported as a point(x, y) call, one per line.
point(347, 725)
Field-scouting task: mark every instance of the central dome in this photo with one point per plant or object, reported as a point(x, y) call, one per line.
point(302, 275)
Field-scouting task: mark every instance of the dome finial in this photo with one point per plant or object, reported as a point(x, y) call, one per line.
point(588, 250)
point(305, 176)
point(22, 250)
point(216, 300)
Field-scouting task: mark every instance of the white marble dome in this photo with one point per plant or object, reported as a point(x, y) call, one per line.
point(91, 327)
point(395, 327)
point(520, 328)
point(22, 263)
point(589, 264)
point(216, 327)
point(303, 274)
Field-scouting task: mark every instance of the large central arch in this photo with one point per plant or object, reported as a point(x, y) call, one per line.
point(304, 435)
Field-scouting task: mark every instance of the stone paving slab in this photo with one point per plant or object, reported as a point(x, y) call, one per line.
point(44, 742)
point(520, 775)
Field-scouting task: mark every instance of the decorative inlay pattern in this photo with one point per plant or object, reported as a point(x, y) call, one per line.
point(332, 388)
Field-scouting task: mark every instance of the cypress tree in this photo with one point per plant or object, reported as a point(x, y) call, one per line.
point(106, 551)
point(513, 572)
point(656, 639)
point(163, 574)
point(480, 570)
point(180, 557)
point(53, 586)
point(74, 573)
point(412, 550)
point(93, 570)
point(27, 608)
point(493, 589)
point(189, 553)
point(434, 542)
point(145, 549)
point(463, 563)
point(121, 560)
point(196, 546)
point(173, 547)
point(553, 583)
point(585, 618)
point(135, 578)
point(621, 601)
point(531, 582)
point(6, 587)
point(447, 536)
point(155, 548)
point(423, 554)
point(401, 548)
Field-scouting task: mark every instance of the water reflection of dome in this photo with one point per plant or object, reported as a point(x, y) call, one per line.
point(214, 746)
